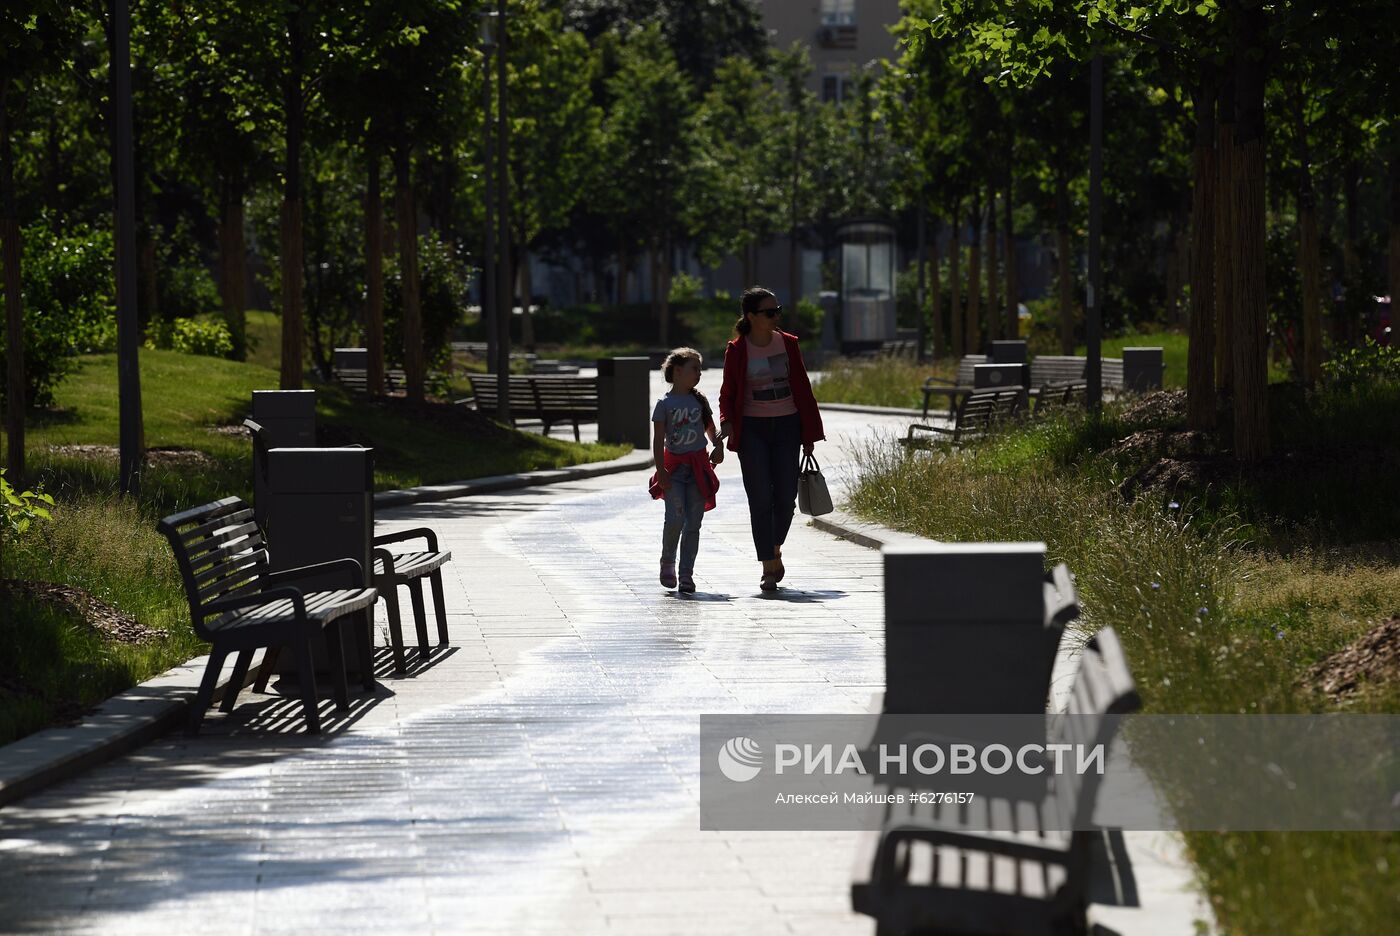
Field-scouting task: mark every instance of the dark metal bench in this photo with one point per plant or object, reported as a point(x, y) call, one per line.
point(238, 605)
point(1059, 395)
point(410, 568)
point(936, 868)
point(976, 414)
point(957, 388)
point(1070, 368)
point(550, 399)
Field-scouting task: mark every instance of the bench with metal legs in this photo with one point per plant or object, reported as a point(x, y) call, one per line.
point(394, 569)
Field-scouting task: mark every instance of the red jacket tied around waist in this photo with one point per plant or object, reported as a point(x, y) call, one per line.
point(736, 374)
point(700, 468)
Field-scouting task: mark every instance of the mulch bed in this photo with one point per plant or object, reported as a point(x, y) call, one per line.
point(162, 456)
point(112, 623)
point(1373, 658)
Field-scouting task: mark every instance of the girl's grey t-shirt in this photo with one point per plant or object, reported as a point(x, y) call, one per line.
point(680, 414)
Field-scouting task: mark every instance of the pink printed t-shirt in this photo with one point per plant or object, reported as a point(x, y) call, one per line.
point(766, 389)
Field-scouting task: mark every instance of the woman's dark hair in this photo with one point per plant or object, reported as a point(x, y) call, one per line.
point(749, 302)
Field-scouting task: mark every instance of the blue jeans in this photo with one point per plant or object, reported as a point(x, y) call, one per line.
point(685, 511)
point(768, 455)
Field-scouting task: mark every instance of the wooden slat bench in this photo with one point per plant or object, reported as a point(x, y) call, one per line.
point(1069, 368)
point(549, 399)
point(937, 869)
point(410, 568)
point(238, 605)
point(976, 414)
point(959, 387)
point(1057, 396)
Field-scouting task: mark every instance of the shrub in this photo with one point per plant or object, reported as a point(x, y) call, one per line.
point(686, 288)
point(69, 299)
point(443, 282)
point(1369, 363)
point(22, 508)
point(210, 338)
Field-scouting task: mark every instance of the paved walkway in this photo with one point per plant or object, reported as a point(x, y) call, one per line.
point(539, 777)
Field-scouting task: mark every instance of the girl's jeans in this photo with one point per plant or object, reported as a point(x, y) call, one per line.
point(685, 510)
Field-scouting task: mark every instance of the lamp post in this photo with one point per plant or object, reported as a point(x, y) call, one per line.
point(504, 287)
point(489, 312)
point(1093, 312)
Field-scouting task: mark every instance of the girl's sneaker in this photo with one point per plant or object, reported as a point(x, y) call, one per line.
point(668, 574)
point(687, 585)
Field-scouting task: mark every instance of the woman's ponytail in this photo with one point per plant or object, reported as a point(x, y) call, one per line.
point(749, 302)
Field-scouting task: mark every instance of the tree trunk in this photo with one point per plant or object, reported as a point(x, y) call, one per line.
point(1393, 278)
point(15, 382)
point(231, 260)
point(290, 234)
point(972, 333)
point(955, 312)
point(407, 223)
point(746, 267)
point(1173, 292)
point(1200, 360)
point(1309, 248)
point(994, 316)
point(1013, 307)
point(1063, 273)
point(935, 297)
point(374, 274)
point(1225, 236)
point(1250, 352)
point(527, 293)
point(623, 259)
point(665, 290)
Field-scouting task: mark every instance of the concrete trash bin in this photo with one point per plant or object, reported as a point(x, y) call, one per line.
point(351, 359)
point(319, 507)
point(970, 628)
point(998, 375)
point(1008, 352)
point(1142, 369)
point(624, 400)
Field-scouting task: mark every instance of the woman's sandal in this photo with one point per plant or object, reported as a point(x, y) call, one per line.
point(768, 583)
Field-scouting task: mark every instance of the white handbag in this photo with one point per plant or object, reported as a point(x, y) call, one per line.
point(813, 499)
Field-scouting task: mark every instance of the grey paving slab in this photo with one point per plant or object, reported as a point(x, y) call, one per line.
point(540, 776)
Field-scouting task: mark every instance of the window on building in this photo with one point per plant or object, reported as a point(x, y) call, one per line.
point(838, 12)
point(836, 88)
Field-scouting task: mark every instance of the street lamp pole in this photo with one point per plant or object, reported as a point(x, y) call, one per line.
point(505, 292)
point(1093, 312)
point(128, 324)
point(489, 313)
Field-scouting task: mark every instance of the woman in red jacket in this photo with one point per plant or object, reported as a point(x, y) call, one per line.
point(767, 411)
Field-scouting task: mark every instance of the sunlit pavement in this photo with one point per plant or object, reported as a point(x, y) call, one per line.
point(540, 776)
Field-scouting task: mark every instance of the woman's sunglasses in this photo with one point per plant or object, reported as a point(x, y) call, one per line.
point(771, 313)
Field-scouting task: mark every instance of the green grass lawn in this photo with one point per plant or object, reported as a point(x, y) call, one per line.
point(52, 664)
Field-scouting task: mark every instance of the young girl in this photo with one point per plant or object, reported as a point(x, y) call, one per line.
point(684, 476)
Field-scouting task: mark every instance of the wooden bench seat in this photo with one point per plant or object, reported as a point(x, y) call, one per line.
point(977, 413)
point(959, 387)
point(940, 868)
point(550, 399)
point(238, 605)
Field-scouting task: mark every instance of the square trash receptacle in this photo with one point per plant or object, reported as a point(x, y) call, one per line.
point(319, 507)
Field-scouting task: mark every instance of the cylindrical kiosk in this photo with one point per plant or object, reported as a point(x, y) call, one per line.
point(867, 284)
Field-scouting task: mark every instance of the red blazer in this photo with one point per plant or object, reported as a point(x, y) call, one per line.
point(736, 373)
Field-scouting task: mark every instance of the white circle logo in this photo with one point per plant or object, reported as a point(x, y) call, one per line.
point(740, 759)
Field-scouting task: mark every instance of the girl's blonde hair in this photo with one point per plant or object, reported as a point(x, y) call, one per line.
point(668, 371)
point(678, 356)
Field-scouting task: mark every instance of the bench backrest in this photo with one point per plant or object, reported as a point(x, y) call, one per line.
point(966, 368)
point(220, 553)
point(1103, 687)
point(564, 394)
point(983, 408)
point(1111, 372)
point(1056, 368)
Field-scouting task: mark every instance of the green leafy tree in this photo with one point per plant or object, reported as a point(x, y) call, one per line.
point(648, 133)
